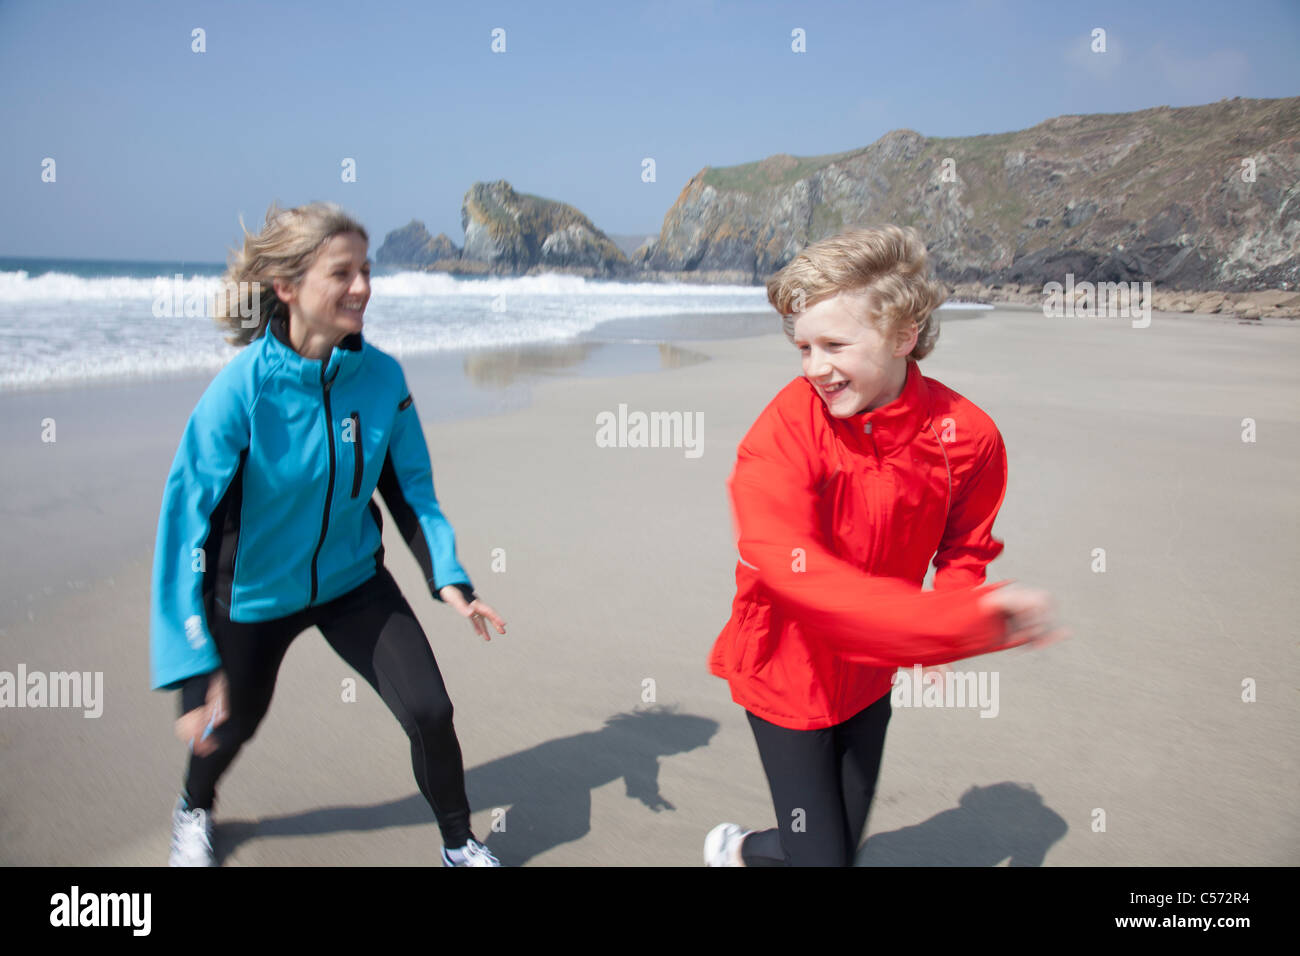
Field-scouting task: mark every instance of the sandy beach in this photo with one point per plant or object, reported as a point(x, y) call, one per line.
point(593, 733)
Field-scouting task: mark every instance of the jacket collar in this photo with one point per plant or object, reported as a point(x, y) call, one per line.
point(342, 364)
point(892, 426)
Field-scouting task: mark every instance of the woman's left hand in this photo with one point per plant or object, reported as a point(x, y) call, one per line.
point(476, 612)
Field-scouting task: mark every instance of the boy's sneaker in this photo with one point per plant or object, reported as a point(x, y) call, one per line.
point(191, 837)
point(722, 845)
point(472, 853)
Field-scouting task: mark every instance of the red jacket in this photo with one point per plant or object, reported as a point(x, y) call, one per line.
point(837, 520)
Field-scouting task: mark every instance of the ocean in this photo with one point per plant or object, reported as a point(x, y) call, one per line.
point(70, 322)
point(66, 322)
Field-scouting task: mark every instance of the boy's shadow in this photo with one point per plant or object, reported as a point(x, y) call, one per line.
point(540, 798)
point(989, 825)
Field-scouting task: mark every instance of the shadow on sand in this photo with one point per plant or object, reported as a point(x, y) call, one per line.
point(545, 791)
point(989, 825)
point(543, 796)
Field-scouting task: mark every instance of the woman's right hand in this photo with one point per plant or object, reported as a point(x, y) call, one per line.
point(477, 612)
point(194, 728)
point(1027, 613)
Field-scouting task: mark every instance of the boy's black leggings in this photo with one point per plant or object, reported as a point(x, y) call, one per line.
point(822, 783)
point(372, 628)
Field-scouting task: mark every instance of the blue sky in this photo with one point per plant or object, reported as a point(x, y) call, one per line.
point(159, 149)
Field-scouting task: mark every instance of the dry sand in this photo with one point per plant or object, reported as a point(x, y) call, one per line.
point(619, 570)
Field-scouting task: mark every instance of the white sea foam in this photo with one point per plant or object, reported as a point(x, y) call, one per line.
point(58, 328)
point(19, 287)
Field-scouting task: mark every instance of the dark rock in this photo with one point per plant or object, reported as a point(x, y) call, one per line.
point(514, 234)
point(413, 247)
point(1076, 214)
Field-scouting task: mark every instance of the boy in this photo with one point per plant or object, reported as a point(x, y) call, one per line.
point(849, 482)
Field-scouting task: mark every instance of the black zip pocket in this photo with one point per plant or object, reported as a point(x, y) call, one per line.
point(358, 456)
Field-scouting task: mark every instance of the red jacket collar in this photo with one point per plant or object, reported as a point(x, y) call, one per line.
point(891, 426)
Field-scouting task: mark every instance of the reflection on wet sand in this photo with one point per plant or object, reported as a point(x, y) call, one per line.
point(502, 367)
point(670, 356)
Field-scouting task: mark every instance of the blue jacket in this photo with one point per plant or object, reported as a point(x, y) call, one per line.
point(268, 506)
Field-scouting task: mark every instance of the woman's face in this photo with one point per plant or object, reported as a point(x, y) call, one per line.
point(331, 299)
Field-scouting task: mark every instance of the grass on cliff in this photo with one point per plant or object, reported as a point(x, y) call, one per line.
point(773, 171)
point(1198, 140)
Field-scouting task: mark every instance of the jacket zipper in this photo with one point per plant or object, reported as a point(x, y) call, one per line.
point(329, 488)
point(358, 457)
point(871, 440)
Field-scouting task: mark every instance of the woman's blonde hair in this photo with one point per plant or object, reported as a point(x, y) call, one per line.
point(286, 248)
point(887, 265)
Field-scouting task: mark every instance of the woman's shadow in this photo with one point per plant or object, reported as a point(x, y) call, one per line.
point(989, 825)
point(540, 798)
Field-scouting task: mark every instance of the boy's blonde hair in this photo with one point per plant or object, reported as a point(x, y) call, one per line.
point(286, 248)
point(887, 265)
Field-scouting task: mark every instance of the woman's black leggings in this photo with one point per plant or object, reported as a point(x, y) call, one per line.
point(822, 782)
point(372, 628)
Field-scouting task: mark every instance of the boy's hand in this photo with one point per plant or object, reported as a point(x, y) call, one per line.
point(1028, 616)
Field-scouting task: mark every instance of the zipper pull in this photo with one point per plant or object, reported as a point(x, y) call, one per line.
point(871, 437)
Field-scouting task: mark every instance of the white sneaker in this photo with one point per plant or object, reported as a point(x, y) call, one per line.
point(191, 837)
point(722, 845)
point(472, 853)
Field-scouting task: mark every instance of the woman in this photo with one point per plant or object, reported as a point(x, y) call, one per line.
point(851, 480)
point(268, 528)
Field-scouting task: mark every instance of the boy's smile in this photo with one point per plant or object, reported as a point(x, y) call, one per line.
point(846, 358)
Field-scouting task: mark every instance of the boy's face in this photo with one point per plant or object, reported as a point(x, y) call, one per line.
point(846, 359)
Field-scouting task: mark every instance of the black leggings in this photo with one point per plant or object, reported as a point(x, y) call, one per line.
point(822, 782)
point(372, 628)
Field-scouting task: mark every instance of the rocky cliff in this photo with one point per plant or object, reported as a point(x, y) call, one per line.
point(413, 247)
point(508, 233)
point(1195, 198)
point(515, 234)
